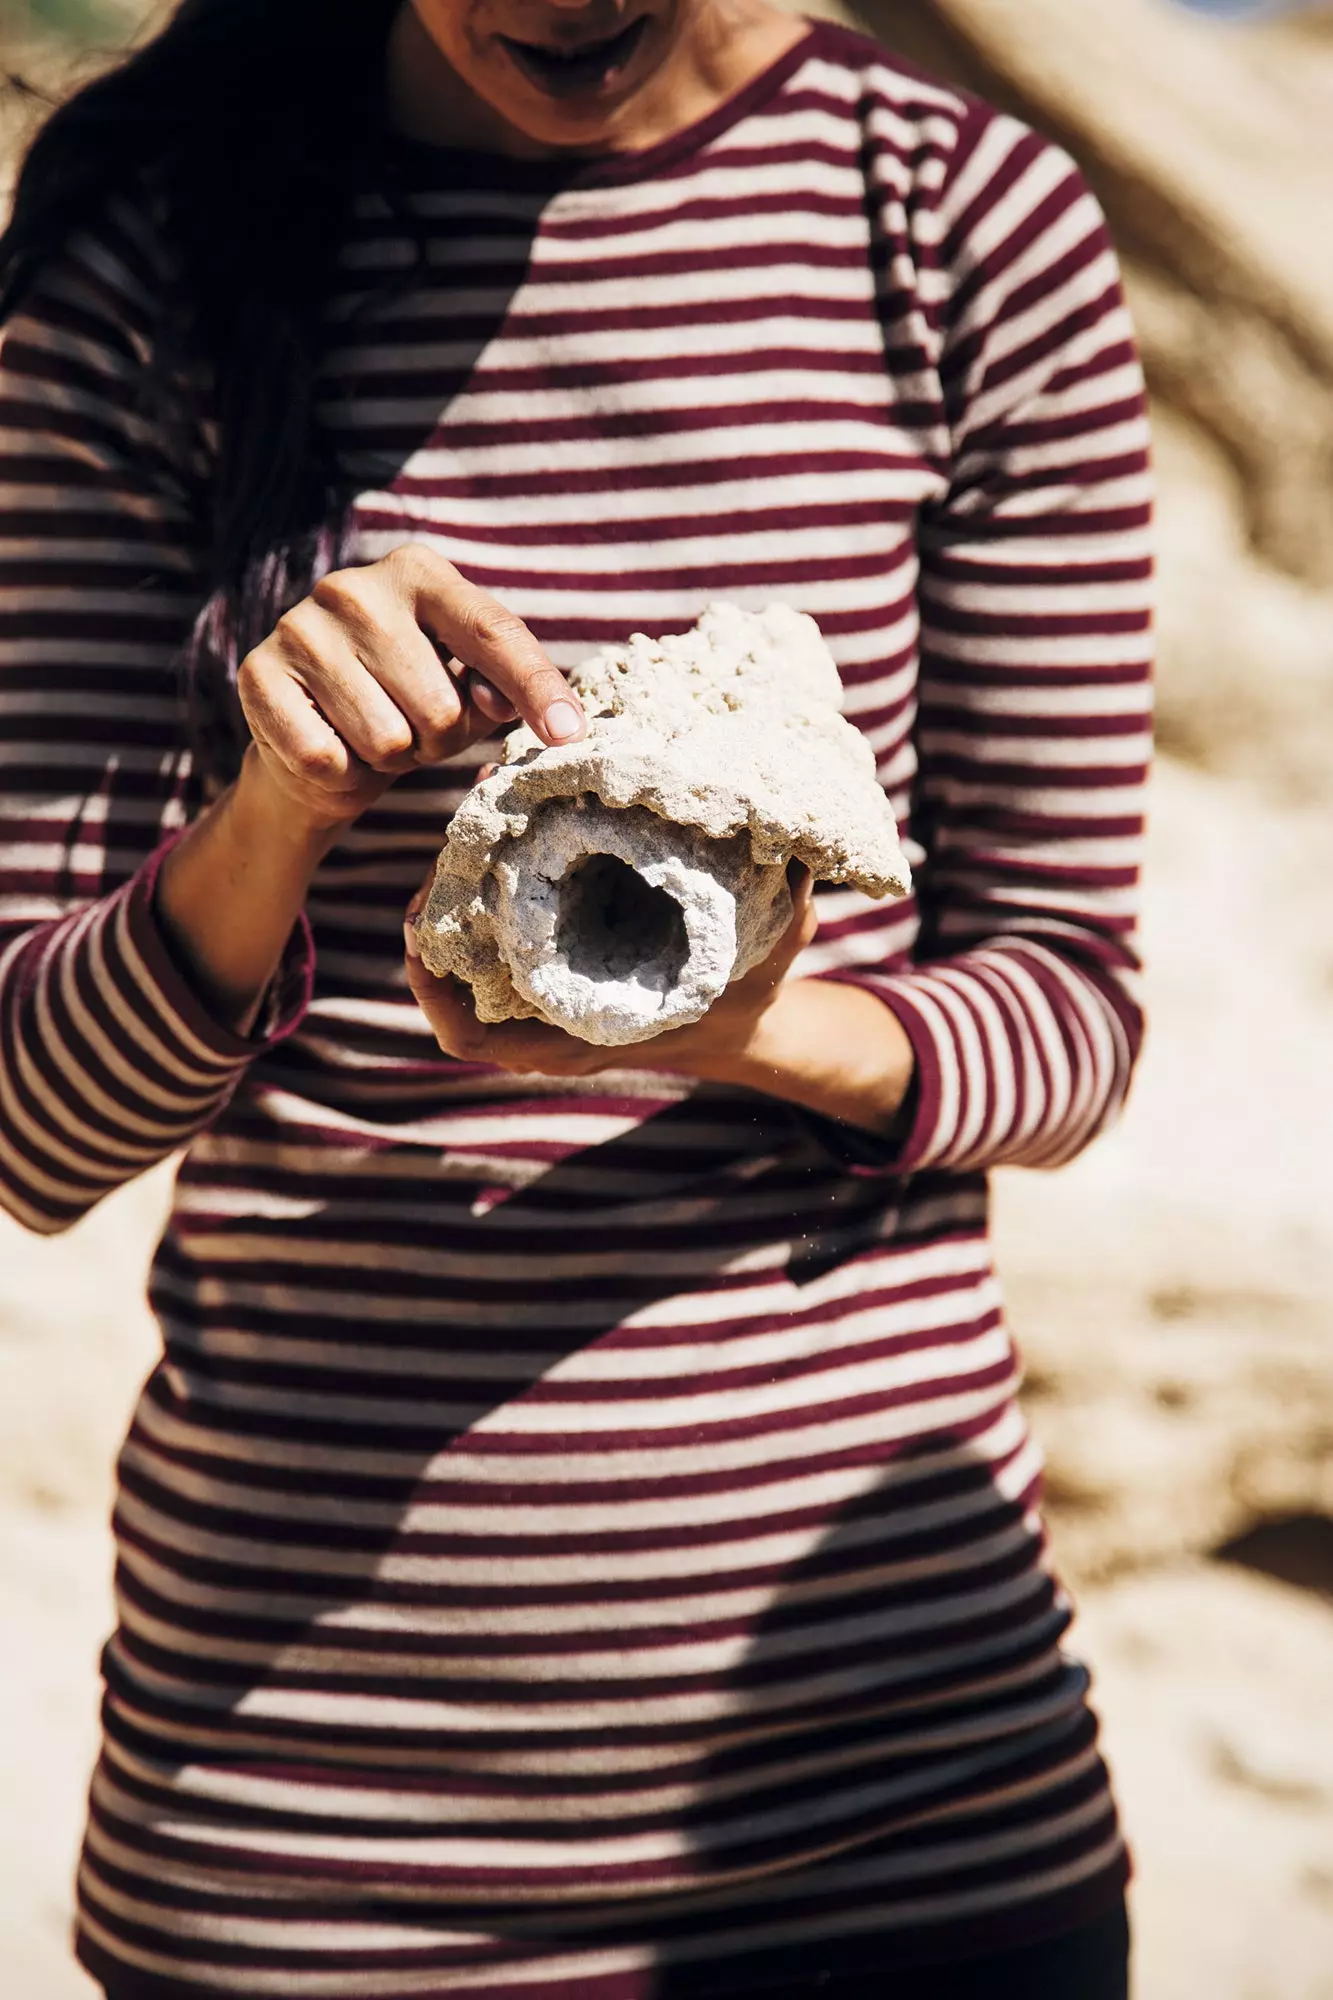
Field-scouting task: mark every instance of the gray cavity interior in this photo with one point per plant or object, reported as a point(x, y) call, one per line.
point(614, 925)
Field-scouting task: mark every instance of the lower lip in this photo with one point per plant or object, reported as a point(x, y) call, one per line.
point(584, 76)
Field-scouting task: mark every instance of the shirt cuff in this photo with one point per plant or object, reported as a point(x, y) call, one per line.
point(170, 1004)
point(906, 1148)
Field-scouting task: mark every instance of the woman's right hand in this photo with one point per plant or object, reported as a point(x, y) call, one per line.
point(400, 663)
point(383, 668)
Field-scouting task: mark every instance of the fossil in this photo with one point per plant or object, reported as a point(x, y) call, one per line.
point(614, 887)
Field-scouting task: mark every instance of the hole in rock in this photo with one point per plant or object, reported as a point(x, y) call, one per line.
point(614, 925)
point(1294, 1548)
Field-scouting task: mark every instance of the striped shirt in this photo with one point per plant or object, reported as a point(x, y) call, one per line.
point(581, 1532)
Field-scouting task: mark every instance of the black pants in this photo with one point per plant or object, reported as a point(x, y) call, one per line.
point(1088, 1964)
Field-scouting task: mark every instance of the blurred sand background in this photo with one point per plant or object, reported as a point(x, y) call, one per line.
point(1172, 1290)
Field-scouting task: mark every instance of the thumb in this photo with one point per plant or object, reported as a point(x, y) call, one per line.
point(804, 923)
point(804, 917)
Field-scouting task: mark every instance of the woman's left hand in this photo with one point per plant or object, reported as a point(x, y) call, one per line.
point(833, 1047)
point(719, 1046)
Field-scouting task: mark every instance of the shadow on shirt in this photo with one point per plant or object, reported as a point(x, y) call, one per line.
point(833, 1709)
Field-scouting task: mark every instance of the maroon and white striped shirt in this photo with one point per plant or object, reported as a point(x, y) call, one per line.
point(583, 1529)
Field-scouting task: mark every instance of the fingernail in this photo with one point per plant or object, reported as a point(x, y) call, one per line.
point(411, 942)
point(562, 721)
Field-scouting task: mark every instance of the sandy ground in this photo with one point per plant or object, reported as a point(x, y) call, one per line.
point(1170, 1294)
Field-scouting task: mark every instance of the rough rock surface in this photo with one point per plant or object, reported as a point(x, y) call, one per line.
point(621, 924)
point(712, 759)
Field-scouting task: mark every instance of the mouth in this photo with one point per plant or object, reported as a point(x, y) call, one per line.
point(573, 72)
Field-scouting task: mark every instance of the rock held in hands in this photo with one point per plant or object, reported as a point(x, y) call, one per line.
point(615, 887)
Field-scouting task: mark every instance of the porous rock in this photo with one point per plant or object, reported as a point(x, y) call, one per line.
point(615, 886)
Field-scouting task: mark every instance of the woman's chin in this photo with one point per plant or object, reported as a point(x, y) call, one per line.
point(581, 106)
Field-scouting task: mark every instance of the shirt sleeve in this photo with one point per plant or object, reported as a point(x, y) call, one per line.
point(1032, 733)
point(108, 1059)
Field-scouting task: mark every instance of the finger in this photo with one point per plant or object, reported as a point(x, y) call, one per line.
point(536, 1049)
point(798, 934)
point(283, 718)
point(421, 894)
point(489, 639)
point(320, 657)
point(390, 646)
point(489, 700)
point(519, 1046)
point(447, 1005)
point(805, 917)
point(802, 928)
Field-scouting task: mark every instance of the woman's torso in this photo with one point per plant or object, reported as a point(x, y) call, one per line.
point(569, 1511)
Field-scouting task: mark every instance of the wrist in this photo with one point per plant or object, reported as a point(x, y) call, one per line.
point(268, 820)
point(765, 1056)
point(834, 1048)
point(231, 889)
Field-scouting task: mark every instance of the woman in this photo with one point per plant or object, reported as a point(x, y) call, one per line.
point(580, 1538)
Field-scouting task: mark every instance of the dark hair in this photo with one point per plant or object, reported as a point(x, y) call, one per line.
point(250, 123)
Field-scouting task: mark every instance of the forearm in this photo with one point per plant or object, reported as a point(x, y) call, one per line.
point(836, 1050)
point(125, 1022)
point(231, 890)
point(1024, 1053)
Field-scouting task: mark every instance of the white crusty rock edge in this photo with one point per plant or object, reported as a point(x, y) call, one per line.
point(711, 761)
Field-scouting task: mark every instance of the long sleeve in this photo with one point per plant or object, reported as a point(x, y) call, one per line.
point(1032, 729)
point(108, 1060)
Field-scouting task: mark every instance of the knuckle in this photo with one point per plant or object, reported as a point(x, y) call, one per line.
point(250, 677)
point(438, 721)
point(294, 631)
point(324, 764)
point(385, 744)
point(417, 563)
point(497, 629)
point(340, 593)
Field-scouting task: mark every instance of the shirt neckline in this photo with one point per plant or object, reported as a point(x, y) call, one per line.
point(419, 163)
